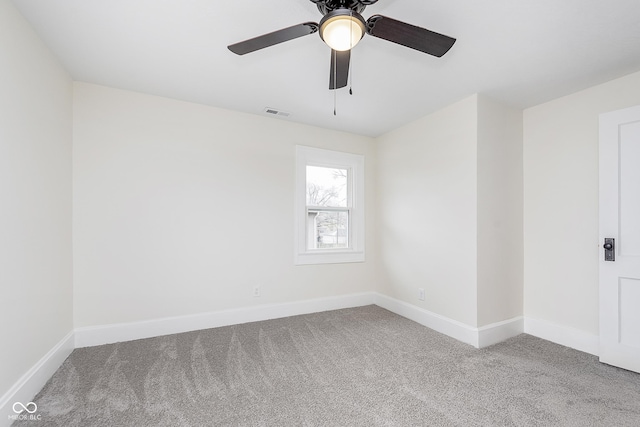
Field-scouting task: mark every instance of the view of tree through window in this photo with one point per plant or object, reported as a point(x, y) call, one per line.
point(327, 208)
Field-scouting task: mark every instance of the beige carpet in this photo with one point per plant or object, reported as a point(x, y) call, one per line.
point(356, 367)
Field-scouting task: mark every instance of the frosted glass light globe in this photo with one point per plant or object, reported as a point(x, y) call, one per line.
point(342, 29)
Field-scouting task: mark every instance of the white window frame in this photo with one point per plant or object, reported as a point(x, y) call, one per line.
point(354, 164)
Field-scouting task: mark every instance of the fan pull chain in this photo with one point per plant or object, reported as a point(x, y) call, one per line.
point(334, 102)
point(335, 80)
point(350, 53)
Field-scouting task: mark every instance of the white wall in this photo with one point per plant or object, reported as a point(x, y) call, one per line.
point(35, 198)
point(427, 211)
point(561, 203)
point(450, 212)
point(500, 237)
point(182, 208)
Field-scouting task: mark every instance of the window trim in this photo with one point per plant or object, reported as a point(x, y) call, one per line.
point(354, 163)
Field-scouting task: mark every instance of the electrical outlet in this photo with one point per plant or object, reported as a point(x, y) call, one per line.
point(256, 291)
point(421, 294)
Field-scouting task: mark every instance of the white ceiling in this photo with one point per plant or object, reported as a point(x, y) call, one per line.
point(521, 52)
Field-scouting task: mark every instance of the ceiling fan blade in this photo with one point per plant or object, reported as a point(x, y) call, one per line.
point(273, 38)
point(339, 72)
point(409, 35)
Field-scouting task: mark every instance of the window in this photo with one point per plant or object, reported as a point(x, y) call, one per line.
point(329, 206)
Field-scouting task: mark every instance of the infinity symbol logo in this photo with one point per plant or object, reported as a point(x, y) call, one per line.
point(26, 407)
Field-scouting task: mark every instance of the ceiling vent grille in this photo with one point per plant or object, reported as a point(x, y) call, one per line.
point(275, 112)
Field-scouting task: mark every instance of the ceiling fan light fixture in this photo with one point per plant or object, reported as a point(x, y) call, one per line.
point(342, 29)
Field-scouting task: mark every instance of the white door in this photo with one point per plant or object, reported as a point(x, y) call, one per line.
point(620, 220)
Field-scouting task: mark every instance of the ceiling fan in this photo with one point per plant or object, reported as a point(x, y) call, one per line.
point(342, 27)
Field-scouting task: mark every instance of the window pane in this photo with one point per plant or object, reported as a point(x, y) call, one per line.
point(326, 186)
point(328, 229)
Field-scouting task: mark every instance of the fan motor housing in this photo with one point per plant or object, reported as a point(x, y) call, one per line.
point(326, 6)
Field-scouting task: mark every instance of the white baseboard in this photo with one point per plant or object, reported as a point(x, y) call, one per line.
point(477, 337)
point(500, 331)
point(563, 335)
point(431, 320)
point(35, 378)
point(495, 332)
point(107, 334)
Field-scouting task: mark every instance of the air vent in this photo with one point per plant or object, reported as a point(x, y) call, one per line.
point(275, 112)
